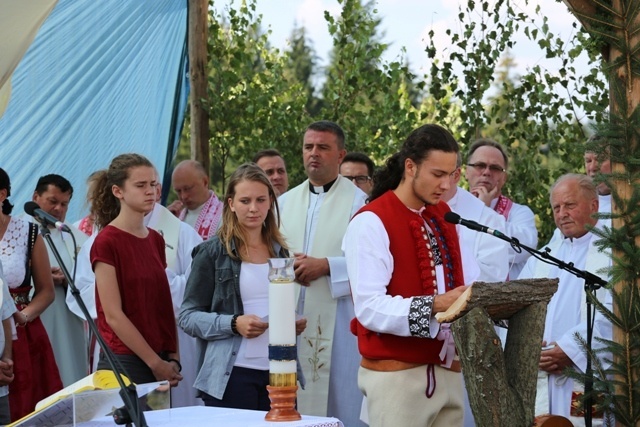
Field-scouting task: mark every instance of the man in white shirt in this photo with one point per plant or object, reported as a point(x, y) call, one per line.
point(574, 203)
point(484, 257)
point(66, 331)
point(486, 173)
point(314, 216)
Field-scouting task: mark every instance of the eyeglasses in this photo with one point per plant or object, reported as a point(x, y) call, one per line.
point(482, 166)
point(360, 179)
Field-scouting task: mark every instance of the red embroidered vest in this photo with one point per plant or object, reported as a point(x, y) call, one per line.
point(412, 274)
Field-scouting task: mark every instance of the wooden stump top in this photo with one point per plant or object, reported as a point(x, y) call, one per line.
point(501, 300)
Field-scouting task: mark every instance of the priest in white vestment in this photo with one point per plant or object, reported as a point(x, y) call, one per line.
point(484, 257)
point(574, 203)
point(486, 173)
point(314, 217)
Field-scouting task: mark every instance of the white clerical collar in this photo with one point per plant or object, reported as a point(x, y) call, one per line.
point(321, 189)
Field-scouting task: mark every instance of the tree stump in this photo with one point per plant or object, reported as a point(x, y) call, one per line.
point(501, 384)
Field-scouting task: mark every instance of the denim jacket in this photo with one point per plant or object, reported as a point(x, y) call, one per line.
point(211, 298)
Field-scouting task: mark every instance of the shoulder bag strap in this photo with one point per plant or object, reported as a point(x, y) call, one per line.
point(33, 233)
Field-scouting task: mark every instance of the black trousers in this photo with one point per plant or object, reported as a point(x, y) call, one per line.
point(246, 389)
point(134, 368)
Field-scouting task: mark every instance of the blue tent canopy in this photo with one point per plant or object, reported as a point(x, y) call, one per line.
point(100, 79)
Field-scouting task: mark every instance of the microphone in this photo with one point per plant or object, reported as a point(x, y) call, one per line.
point(454, 218)
point(44, 218)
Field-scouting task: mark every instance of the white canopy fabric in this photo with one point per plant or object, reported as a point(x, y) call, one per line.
point(101, 78)
point(19, 24)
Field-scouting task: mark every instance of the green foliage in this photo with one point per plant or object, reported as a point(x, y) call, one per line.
point(254, 101)
point(251, 106)
point(376, 102)
point(301, 63)
point(536, 116)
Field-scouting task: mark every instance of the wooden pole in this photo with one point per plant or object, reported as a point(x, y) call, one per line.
point(628, 81)
point(198, 29)
point(624, 82)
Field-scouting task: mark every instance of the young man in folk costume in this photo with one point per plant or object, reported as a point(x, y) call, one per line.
point(404, 266)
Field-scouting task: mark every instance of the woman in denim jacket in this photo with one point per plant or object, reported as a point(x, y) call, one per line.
point(226, 297)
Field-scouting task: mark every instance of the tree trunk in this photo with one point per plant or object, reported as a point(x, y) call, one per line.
point(198, 26)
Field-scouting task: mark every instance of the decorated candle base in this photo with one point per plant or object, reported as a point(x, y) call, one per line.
point(283, 402)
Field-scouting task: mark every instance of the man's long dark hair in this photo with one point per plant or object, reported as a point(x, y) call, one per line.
point(416, 147)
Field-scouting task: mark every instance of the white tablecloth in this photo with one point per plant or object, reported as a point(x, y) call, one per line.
point(198, 416)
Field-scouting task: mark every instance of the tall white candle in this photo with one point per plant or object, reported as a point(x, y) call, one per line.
point(282, 313)
point(282, 320)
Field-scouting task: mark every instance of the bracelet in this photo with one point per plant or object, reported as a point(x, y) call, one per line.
point(234, 321)
point(26, 317)
point(177, 362)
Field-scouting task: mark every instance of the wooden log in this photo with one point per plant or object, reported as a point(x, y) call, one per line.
point(501, 384)
point(501, 299)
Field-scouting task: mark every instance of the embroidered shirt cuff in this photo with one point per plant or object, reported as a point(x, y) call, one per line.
point(420, 316)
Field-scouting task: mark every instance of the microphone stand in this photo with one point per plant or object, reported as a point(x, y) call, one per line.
point(591, 284)
point(128, 393)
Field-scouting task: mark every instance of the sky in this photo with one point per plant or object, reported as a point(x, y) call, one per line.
point(404, 23)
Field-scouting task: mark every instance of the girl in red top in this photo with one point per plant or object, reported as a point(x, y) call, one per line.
point(133, 301)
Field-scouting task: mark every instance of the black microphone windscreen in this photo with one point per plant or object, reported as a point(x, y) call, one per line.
point(452, 217)
point(30, 208)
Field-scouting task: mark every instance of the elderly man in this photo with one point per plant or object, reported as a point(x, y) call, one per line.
point(272, 163)
point(315, 215)
point(197, 205)
point(358, 168)
point(574, 203)
point(66, 331)
point(486, 174)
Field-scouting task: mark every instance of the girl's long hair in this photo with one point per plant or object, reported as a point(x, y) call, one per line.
point(105, 207)
point(231, 230)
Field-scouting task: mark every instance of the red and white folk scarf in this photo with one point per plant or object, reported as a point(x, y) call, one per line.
point(503, 206)
point(207, 223)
